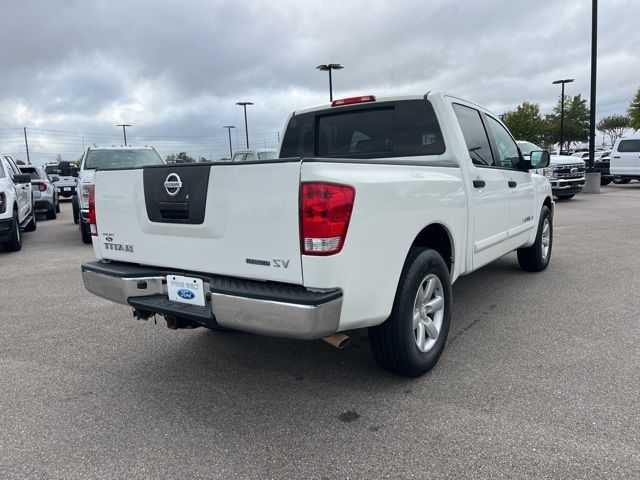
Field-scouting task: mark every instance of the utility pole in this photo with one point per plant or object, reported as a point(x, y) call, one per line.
point(594, 62)
point(26, 145)
point(83, 143)
point(124, 131)
point(229, 127)
point(246, 129)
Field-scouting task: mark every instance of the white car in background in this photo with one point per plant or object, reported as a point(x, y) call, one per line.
point(625, 159)
point(253, 155)
point(565, 173)
point(16, 205)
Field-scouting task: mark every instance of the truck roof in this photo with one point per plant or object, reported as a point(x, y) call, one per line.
point(391, 98)
point(120, 147)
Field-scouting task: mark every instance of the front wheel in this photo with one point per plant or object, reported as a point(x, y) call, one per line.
point(605, 180)
point(564, 197)
point(536, 257)
point(412, 339)
point(33, 223)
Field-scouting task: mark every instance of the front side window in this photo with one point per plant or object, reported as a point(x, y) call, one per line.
point(2, 174)
point(249, 157)
point(508, 155)
point(115, 158)
point(238, 157)
point(629, 146)
point(474, 134)
point(527, 147)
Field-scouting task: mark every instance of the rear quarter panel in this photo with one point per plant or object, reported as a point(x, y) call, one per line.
point(393, 203)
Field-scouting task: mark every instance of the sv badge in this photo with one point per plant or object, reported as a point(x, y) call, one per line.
point(280, 263)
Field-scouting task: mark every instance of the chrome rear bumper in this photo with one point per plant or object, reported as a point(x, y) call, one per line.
point(257, 307)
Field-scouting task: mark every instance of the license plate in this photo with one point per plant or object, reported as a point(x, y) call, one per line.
point(66, 189)
point(185, 290)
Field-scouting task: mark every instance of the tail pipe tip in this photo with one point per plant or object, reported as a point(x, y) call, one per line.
point(338, 340)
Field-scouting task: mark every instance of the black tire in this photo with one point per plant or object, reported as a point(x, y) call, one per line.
point(33, 223)
point(14, 244)
point(86, 236)
point(621, 181)
point(532, 259)
point(605, 180)
point(565, 197)
point(76, 210)
point(51, 213)
point(57, 206)
point(393, 342)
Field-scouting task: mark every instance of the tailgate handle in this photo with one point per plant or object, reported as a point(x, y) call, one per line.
point(174, 210)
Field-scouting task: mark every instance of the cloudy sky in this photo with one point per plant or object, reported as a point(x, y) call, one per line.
point(72, 70)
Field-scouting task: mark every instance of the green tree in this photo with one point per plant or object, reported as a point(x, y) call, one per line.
point(614, 126)
point(576, 121)
point(634, 112)
point(184, 158)
point(525, 122)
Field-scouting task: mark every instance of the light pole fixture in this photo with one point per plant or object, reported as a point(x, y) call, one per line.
point(229, 127)
point(246, 128)
point(592, 96)
point(567, 80)
point(124, 131)
point(327, 68)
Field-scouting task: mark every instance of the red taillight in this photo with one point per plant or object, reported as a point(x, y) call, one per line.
point(92, 211)
point(325, 212)
point(352, 100)
point(42, 186)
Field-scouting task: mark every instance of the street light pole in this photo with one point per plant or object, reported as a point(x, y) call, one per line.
point(594, 65)
point(568, 80)
point(229, 127)
point(124, 131)
point(246, 128)
point(327, 68)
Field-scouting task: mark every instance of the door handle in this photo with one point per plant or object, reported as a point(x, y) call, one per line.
point(479, 183)
point(513, 184)
point(616, 157)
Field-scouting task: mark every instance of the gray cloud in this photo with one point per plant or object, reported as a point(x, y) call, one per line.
point(175, 69)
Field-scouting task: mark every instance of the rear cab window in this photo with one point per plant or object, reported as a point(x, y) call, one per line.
point(629, 146)
point(375, 130)
point(115, 158)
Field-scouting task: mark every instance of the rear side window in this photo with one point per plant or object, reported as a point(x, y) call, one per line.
point(474, 134)
point(51, 169)
point(387, 129)
point(629, 146)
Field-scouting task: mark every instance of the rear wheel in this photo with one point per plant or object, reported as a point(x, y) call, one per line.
point(14, 243)
point(33, 223)
point(605, 180)
point(412, 339)
point(621, 180)
point(76, 210)
point(565, 197)
point(86, 236)
point(536, 257)
point(57, 205)
point(51, 213)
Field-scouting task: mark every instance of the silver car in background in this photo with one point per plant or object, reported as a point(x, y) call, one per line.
point(45, 194)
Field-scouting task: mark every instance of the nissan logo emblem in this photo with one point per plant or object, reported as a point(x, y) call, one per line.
point(173, 184)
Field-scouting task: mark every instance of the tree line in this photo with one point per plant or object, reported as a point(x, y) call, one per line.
point(527, 123)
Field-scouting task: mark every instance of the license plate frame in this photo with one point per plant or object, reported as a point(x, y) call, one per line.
point(187, 290)
point(66, 189)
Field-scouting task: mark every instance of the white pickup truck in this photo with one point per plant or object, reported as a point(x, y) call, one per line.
point(373, 209)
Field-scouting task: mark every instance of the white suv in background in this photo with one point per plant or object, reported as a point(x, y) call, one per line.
point(625, 159)
point(253, 155)
point(106, 158)
point(16, 205)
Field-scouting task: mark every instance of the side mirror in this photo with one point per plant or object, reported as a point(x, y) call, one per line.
point(22, 178)
point(540, 158)
point(55, 179)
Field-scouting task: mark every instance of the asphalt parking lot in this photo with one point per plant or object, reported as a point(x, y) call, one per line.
point(540, 378)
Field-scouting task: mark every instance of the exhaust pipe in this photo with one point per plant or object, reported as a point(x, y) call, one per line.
point(338, 340)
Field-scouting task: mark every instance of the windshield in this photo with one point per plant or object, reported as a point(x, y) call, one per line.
point(266, 155)
point(527, 147)
point(109, 159)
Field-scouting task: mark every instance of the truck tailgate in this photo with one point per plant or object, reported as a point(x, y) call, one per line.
point(230, 219)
